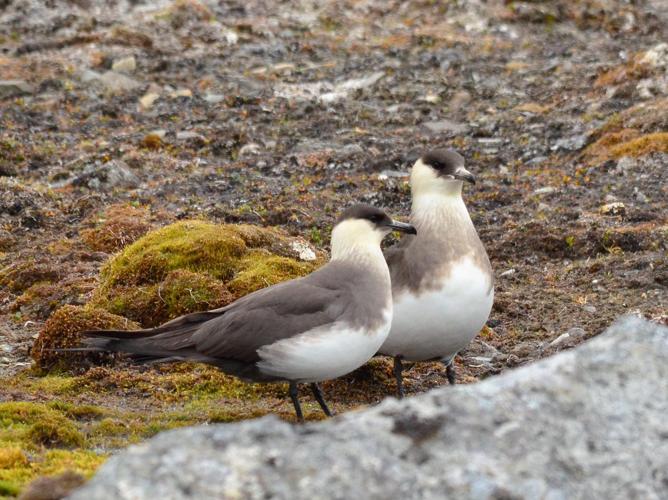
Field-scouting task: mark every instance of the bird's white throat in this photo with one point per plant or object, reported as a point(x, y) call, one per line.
point(358, 240)
point(434, 210)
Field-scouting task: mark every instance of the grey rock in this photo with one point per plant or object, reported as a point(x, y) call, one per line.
point(586, 423)
point(98, 175)
point(545, 190)
point(13, 88)
point(570, 143)
point(118, 83)
point(125, 65)
point(214, 98)
point(445, 126)
point(187, 135)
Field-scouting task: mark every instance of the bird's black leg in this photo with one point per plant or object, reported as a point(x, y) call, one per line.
point(398, 368)
point(294, 395)
point(450, 371)
point(317, 393)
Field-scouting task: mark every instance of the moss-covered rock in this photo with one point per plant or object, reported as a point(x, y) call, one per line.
point(192, 266)
point(63, 330)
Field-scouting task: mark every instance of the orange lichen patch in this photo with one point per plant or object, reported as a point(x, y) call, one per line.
point(632, 70)
point(601, 149)
point(63, 330)
point(650, 143)
point(117, 227)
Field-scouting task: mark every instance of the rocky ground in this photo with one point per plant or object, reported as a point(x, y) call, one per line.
point(118, 119)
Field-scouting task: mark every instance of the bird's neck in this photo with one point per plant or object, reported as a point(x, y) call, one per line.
point(441, 212)
point(353, 243)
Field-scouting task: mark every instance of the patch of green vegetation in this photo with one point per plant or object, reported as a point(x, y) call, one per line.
point(260, 269)
point(192, 266)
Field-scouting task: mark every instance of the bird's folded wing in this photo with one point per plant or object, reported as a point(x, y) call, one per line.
point(269, 315)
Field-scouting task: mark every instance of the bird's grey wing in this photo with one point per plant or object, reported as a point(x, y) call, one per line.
point(278, 312)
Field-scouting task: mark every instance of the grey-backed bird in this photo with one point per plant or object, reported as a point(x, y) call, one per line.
point(442, 280)
point(306, 330)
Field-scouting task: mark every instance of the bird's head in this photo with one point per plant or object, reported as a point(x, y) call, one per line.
point(439, 170)
point(364, 225)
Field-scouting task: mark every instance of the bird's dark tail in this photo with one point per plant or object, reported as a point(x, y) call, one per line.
point(169, 342)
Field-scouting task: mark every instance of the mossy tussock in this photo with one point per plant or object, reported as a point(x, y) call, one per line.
point(118, 226)
point(192, 266)
point(63, 330)
point(638, 131)
point(35, 439)
point(181, 268)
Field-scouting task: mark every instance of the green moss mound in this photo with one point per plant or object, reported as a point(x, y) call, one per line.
point(193, 266)
point(39, 439)
point(63, 330)
point(38, 426)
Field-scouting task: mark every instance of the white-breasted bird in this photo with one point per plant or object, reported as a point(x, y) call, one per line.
point(442, 280)
point(306, 330)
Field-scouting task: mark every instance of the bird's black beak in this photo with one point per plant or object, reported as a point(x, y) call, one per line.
point(403, 227)
point(464, 175)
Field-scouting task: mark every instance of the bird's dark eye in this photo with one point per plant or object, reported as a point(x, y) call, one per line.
point(376, 218)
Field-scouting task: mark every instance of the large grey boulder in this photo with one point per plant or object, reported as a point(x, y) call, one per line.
point(588, 423)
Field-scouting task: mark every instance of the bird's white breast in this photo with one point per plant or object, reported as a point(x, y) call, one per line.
point(440, 322)
point(322, 353)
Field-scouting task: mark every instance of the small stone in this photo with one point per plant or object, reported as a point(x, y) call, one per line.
point(509, 272)
point(445, 126)
point(249, 149)
point(160, 132)
point(214, 98)
point(545, 190)
point(657, 56)
point(432, 98)
point(617, 208)
point(571, 143)
point(181, 93)
point(13, 88)
point(186, 135)
point(575, 333)
point(303, 250)
point(118, 83)
point(147, 100)
point(589, 308)
point(386, 174)
point(114, 173)
point(125, 65)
